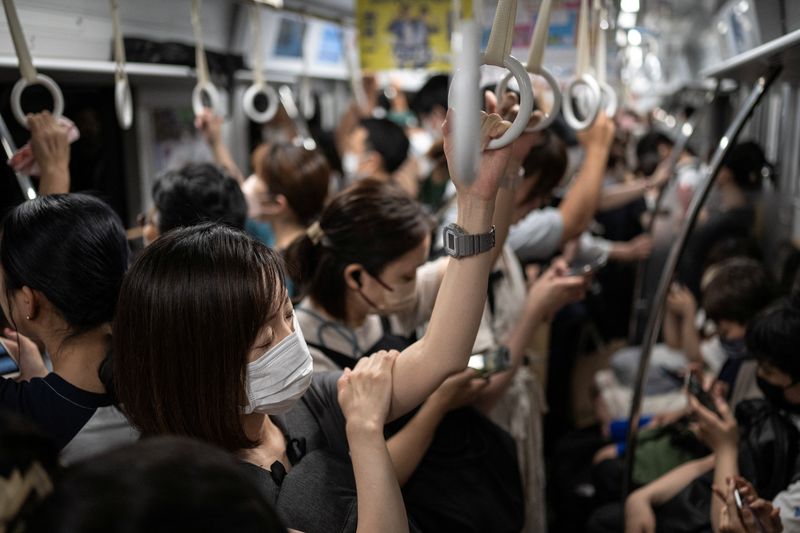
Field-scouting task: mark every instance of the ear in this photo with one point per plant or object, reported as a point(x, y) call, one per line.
point(353, 276)
point(26, 303)
point(275, 205)
point(372, 163)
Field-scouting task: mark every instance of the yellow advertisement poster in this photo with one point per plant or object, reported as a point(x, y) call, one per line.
point(399, 34)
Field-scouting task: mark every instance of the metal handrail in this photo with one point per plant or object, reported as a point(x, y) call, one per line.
point(760, 88)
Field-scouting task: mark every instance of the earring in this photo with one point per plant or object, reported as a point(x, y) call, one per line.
point(28, 317)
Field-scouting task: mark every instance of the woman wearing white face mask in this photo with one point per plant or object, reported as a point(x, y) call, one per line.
point(204, 311)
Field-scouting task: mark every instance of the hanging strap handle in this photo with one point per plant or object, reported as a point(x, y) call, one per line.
point(353, 70)
point(502, 35)
point(204, 84)
point(609, 95)
point(260, 85)
point(535, 65)
point(29, 74)
point(540, 34)
point(583, 60)
point(123, 100)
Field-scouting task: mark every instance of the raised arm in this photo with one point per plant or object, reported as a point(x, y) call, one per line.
point(447, 343)
point(580, 204)
point(211, 126)
point(50, 148)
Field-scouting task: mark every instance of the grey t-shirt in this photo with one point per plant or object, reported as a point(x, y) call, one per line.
point(319, 492)
point(537, 236)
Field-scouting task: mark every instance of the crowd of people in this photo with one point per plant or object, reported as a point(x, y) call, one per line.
point(300, 349)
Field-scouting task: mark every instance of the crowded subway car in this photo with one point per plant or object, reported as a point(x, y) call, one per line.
point(429, 266)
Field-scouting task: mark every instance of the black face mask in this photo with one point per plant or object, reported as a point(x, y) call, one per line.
point(774, 394)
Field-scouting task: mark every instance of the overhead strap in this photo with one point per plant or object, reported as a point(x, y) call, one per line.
point(119, 47)
point(502, 35)
point(583, 62)
point(354, 70)
point(199, 50)
point(540, 34)
point(258, 55)
point(26, 68)
point(600, 42)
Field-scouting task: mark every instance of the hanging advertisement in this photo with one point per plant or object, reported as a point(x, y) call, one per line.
point(396, 34)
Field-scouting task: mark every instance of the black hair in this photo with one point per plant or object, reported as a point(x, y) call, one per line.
point(432, 95)
point(196, 193)
point(158, 485)
point(389, 140)
point(371, 223)
point(547, 162)
point(647, 151)
point(70, 247)
point(748, 165)
point(739, 288)
point(23, 446)
point(774, 335)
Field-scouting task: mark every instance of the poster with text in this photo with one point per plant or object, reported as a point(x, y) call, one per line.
point(401, 34)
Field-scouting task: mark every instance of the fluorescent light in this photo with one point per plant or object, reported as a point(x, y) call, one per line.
point(626, 20)
point(622, 38)
point(631, 6)
point(634, 38)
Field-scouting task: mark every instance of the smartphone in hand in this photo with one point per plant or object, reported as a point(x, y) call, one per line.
point(695, 388)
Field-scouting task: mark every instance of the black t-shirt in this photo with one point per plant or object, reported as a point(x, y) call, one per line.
point(319, 492)
point(57, 407)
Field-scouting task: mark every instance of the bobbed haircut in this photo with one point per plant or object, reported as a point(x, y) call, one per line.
point(191, 309)
point(371, 223)
point(197, 193)
point(389, 140)
point(738, 289)
point(158, 485)
point(70, 247)
point(300, 175)
point(774, 335)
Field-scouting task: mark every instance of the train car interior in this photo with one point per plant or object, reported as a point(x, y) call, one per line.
point(429, 265)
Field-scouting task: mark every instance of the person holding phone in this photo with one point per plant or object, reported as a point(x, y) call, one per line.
point(62, 258)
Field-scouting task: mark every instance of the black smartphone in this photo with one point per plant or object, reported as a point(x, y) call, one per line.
point(7, 363)
point(584, 269)
point(696, 390)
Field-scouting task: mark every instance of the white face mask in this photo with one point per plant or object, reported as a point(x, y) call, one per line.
point(277, 379)
point(401, 298)
point(350, 164)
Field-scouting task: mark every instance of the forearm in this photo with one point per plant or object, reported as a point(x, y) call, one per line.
point(690, 340)
point(380, 503)
point(504, 209)
point(726, 466)
point(54, 180)
point(222, 156)
point(517, 343)
point(410, 444)
point(580, 204)
point(616, 196)
point(670, 484)
point(447, 344)
point(671, 330)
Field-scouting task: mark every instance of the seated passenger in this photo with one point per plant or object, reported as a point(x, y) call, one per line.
point(62, 259)
point(310, 443)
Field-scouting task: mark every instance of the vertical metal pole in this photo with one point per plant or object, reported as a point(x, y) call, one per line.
point(657, 309)
point(10, 149)
point(684, 134)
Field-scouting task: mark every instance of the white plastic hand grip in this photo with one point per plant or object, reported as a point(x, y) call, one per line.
point(46, 82)
point(551, 81)
point(590, 104)
point(214, 98)
point(249, 102)
point(123, 103)
point(525, 104)
point(610, 102)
